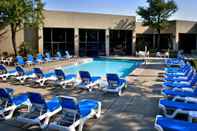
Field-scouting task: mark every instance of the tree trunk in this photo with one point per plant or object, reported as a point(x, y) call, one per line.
point(13, 31)
point(158, 39)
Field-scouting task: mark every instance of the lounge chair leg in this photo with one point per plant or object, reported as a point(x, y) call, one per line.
point(44, 125)
point(120, 93)
point(98, 114)
point(81, 126)
point(9, 116)
point(42, 82)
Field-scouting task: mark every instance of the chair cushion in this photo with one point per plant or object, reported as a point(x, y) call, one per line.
point(85, 106)
point(177, 84)
point(178, 105)
point(169, 124)
point(53, 104)
point(179, 93)
point(70, 76)
point(95, 78)
point(18, 100)
point(93, 104)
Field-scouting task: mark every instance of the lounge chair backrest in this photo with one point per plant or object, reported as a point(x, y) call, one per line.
point(192, 73)
point(38, 72)
point(37, 98)
point(20, 60)
point(20, 70)
point(113, 80)
point(4, 94)
point(3, 69)
point(68, 102)
point(60, 74)
point(67, 54)
point(48, 55)
point(39, 56)
point(70, 105)
point(70, 108)
point(85, 76)
point(59, 54)
point(30, 58)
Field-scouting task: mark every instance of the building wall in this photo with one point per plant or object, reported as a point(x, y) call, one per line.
point(55, 19)
point(140, 29)
point(6, 41)
point(59, 19)
point(186, 27)
point(189, 28)
point(87, 20)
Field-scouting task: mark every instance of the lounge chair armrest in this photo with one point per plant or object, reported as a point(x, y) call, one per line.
point(192, 114)
point(183, 89)
point(178, 98)
point(191, 99)
point(188, 89)
point(185, 82)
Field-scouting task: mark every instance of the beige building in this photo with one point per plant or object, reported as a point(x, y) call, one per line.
point(88, 34)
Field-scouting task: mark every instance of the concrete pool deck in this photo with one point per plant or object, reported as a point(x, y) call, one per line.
point(135, 110)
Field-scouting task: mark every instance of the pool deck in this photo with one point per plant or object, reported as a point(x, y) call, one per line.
point(135, 110)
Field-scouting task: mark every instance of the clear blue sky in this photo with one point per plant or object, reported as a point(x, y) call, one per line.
point(187, 8)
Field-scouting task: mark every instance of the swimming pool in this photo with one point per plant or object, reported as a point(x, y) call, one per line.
point(100, 67)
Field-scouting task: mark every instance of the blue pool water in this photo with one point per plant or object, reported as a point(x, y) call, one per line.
point(100, 67)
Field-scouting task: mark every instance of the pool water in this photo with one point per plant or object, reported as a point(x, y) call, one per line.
point(100, 67)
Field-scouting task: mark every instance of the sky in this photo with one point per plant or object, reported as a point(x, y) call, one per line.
point(187, 9)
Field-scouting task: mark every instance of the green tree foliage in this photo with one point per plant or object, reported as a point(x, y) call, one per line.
point(157, 13)
point(19, 14)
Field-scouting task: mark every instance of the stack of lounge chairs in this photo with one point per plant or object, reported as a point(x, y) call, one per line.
point(179, 108)
point(40, 59)
point(33, 109)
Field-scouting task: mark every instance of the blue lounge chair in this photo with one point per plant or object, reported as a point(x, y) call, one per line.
point(43, 77)
point(63, 79)
point(59, 56)
point(180, 93)
point(23, 74)
point(5, 74)
point(169, 124)
point(88, 81)
point(10, 103)
point(176, 107)
point(41, 110)
point(20, 60)
point(179, 74)
point(75, 113)
point(30, 60)
point(177, 69)
point(40, 58)
point(182, 84)
point(115, 84)
point(48, 57)
point(67, 55)
point(188, 77)
point(174, 62)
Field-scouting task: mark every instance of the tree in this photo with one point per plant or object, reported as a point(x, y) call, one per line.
point(156, 14)
point(19, 14)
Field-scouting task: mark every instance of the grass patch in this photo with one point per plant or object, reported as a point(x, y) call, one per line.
point(194, 63)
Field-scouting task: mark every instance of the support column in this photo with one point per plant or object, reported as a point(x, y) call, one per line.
point(76, 41)
point(107, 43)
point(40, 40)
point(196, 42)
point(133, 42)
point(176, 42)
point(154, 40)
